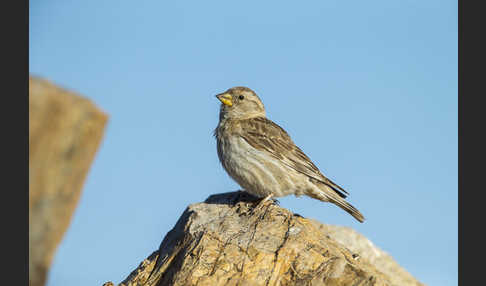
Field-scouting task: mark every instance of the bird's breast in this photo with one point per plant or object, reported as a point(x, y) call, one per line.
point(254, 170)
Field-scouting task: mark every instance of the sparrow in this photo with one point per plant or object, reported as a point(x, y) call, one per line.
point(262, 158)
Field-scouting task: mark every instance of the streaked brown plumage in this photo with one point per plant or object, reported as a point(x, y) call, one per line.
point(262, 158)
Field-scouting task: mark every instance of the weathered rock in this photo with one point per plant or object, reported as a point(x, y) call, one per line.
point(65, 131)
point(228, 240)
point(359, 244)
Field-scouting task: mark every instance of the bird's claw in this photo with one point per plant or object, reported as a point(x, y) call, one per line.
point(264, 202)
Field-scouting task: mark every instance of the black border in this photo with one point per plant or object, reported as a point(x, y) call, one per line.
point(470, 122)
point(14, 23)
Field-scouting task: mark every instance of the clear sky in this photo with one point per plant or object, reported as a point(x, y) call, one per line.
point(368, 90)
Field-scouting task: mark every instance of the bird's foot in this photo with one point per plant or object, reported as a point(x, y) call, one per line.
point(266, 200)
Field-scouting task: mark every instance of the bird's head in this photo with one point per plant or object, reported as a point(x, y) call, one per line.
point(240, 103)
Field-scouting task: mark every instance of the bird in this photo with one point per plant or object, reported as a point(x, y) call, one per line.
point(262, 158)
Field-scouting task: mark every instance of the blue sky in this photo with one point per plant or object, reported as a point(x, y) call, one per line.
point(368, 90)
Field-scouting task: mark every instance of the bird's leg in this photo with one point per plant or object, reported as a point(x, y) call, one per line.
point(262, 202)
point(266, 199)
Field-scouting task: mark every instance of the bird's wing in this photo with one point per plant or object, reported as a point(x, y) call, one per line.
point(265, 135)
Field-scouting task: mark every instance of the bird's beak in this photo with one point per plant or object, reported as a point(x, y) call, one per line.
point(225, 98)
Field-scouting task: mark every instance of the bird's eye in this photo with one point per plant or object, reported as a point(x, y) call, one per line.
point(241, 97)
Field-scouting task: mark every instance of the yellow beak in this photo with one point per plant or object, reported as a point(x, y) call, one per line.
point(225, 98)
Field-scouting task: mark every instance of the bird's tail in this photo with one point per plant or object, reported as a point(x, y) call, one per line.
point(348, 208)
point(328, 195)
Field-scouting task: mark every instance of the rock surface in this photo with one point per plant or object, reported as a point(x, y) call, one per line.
point(358, 243)
point(229, 240)
point(65, 131)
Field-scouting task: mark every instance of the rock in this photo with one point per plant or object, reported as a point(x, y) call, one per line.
point(229, 240)
point(364, 248)
point(65, 131)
